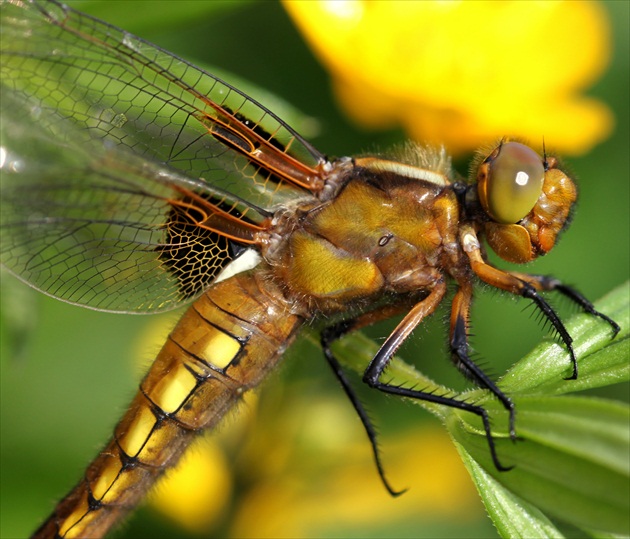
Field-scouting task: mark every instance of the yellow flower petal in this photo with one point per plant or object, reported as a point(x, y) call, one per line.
point(347, 492)
point(196, 493)
point(461, 73)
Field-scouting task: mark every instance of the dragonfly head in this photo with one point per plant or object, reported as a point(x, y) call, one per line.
point(525, 200)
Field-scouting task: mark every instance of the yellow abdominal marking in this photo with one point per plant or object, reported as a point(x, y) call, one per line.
point(220, 348)
point(80, 512)
point(106, 479)
point(173, 389)
point(138, 433)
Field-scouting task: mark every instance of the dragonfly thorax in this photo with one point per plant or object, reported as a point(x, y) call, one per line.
point(383, 233)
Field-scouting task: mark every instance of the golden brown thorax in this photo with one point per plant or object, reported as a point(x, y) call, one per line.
point(381, 233)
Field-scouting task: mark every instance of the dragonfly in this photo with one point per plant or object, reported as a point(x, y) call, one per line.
point(134, 182)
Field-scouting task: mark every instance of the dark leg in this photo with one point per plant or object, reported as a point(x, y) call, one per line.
point(380, 361)
point(528, 286)
point(460, 314)
point(547, 283)
point(329, 335)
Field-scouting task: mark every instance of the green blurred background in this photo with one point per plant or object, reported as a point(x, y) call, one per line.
point(67, 373)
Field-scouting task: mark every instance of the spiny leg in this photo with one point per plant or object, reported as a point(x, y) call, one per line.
point(548, 284)
point(521, 285)
point(335, 332)
point(527, 286)
point(382, 358)
point(458, 342)
point(328, 336)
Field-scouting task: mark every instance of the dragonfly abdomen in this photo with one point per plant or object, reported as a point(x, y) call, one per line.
point(224, 345)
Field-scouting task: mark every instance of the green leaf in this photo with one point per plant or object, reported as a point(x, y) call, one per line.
point(512, 516)
point(572, 456)
point(570, 460)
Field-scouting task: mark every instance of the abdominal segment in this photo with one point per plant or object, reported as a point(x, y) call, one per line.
point(224, 345)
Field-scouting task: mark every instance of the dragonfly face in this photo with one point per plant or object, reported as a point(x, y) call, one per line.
point(158, 184)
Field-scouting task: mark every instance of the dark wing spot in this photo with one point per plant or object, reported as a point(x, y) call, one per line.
point(194, 255)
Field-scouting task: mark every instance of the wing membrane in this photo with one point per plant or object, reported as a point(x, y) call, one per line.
point(120, 88)
point(99, 226)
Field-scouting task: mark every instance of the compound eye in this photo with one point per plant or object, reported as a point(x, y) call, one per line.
point(511, 183)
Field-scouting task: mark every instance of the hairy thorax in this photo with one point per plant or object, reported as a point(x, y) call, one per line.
point(396, 235)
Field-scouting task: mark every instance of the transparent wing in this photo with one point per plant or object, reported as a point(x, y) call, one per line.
point(101, 227)
point(117, 87)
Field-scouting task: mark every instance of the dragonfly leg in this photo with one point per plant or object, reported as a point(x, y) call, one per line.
point(547, 283)
point(458, 342)
point(335, 332)
point(382, 358)
point(528, 286)
point(328, 336)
